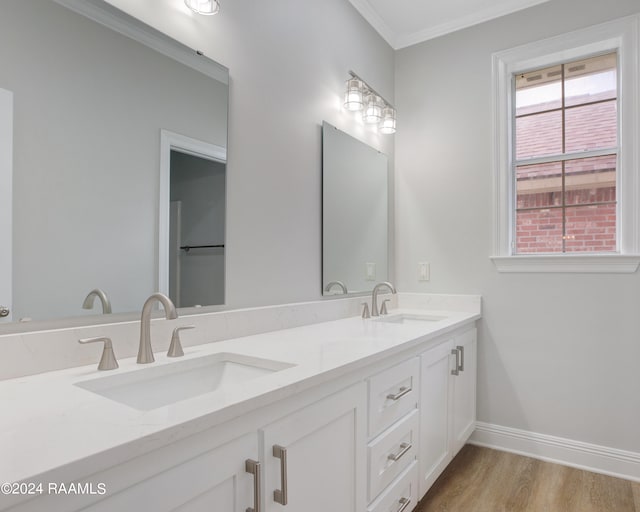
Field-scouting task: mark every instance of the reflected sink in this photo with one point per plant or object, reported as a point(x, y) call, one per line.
point(406, 318)
point(157, 386)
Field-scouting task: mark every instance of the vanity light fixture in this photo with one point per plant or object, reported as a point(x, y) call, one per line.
point(359, 96)
point(206, 7)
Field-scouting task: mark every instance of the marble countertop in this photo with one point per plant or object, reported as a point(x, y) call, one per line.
point(48, 422)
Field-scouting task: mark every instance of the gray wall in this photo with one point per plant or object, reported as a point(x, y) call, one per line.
point(288, 61)
point(558, 354)
point(89, 106)
point(200, 185)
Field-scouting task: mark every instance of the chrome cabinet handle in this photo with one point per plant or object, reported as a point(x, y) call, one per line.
point(281, 495)
point(456, 353)
point(4, 311)
point(253, 467)
point(460, 348)
point(404, 448)
point(404, 503)
point(401, 392)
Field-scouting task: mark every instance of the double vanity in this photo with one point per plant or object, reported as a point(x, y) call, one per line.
point(349, 414)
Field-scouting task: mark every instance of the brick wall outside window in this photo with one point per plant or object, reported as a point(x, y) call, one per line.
point(586, 227)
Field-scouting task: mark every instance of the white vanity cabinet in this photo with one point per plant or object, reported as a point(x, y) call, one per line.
point(324, 467)
point(201, 473)
point(447, 403)
point(215, 480)
point(463, 414)
point(372, 440)
point(393, 432)
point(314, 458)
point(317, 465)
point(435, 399)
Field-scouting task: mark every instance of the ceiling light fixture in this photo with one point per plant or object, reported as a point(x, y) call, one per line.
point(360, 97)
point(206, 7)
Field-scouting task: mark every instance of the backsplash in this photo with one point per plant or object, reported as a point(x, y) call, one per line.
point(42, 351)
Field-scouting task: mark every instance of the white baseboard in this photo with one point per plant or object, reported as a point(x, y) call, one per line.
point(590, 457)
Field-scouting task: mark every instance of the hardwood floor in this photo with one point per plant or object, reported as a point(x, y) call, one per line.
point(484, 480)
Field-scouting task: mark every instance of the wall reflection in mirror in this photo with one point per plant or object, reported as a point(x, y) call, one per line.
point(89, 107)
point(354, 214)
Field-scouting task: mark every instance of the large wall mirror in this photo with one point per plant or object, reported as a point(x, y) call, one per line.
point(119, 163)
point(355, 251)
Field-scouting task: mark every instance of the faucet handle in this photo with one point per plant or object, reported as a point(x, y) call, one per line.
point(175, 349)
point(365, 310)
point(108, 360)
point(383, 308)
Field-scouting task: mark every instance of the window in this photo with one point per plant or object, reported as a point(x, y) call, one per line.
point(565, 137)
point(566, 157)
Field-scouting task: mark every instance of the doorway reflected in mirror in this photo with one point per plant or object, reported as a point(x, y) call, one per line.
point(196, 230)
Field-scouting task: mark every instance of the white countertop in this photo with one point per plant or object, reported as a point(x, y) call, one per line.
point(48, 422)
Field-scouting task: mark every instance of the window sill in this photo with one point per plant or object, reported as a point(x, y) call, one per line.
point(576, 264)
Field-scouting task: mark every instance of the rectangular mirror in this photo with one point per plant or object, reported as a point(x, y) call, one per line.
point(355, 252)
point(109, 136)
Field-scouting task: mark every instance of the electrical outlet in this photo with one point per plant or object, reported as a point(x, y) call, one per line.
point(371, 271)
point(424, 272)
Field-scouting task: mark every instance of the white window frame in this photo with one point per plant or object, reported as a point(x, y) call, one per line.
point(620, 36)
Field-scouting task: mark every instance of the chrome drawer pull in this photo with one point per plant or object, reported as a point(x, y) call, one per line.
point(456, 353)
point(401, 392)
point(461, 349)
point(404, 448)
point(404, 503)
point(253, 467)
point(281, 495)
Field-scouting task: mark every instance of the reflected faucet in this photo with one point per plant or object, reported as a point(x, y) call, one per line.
point(90, 299)
point(340, 284)
point(374, 296)
point(145, 354)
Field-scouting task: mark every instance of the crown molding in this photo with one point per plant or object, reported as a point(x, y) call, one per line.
point(376, 21)
point(402, 40)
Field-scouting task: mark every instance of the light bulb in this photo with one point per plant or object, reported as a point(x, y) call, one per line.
point(206, 7)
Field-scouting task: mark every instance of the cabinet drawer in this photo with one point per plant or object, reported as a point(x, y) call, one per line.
point(401, 495)
point(391, 452)
point(392, 394)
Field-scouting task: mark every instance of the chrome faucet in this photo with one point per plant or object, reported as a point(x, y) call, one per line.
point(374, 296)
point(336, 283)
point(145, 354)
point(90, 299)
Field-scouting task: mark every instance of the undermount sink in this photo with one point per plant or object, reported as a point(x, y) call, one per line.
point(406, 318)
point(157, 386)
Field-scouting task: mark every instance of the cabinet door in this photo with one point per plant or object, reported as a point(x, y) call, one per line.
point(435, 399)
point(324, 461)
point(464, 390)
point(215, 480)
